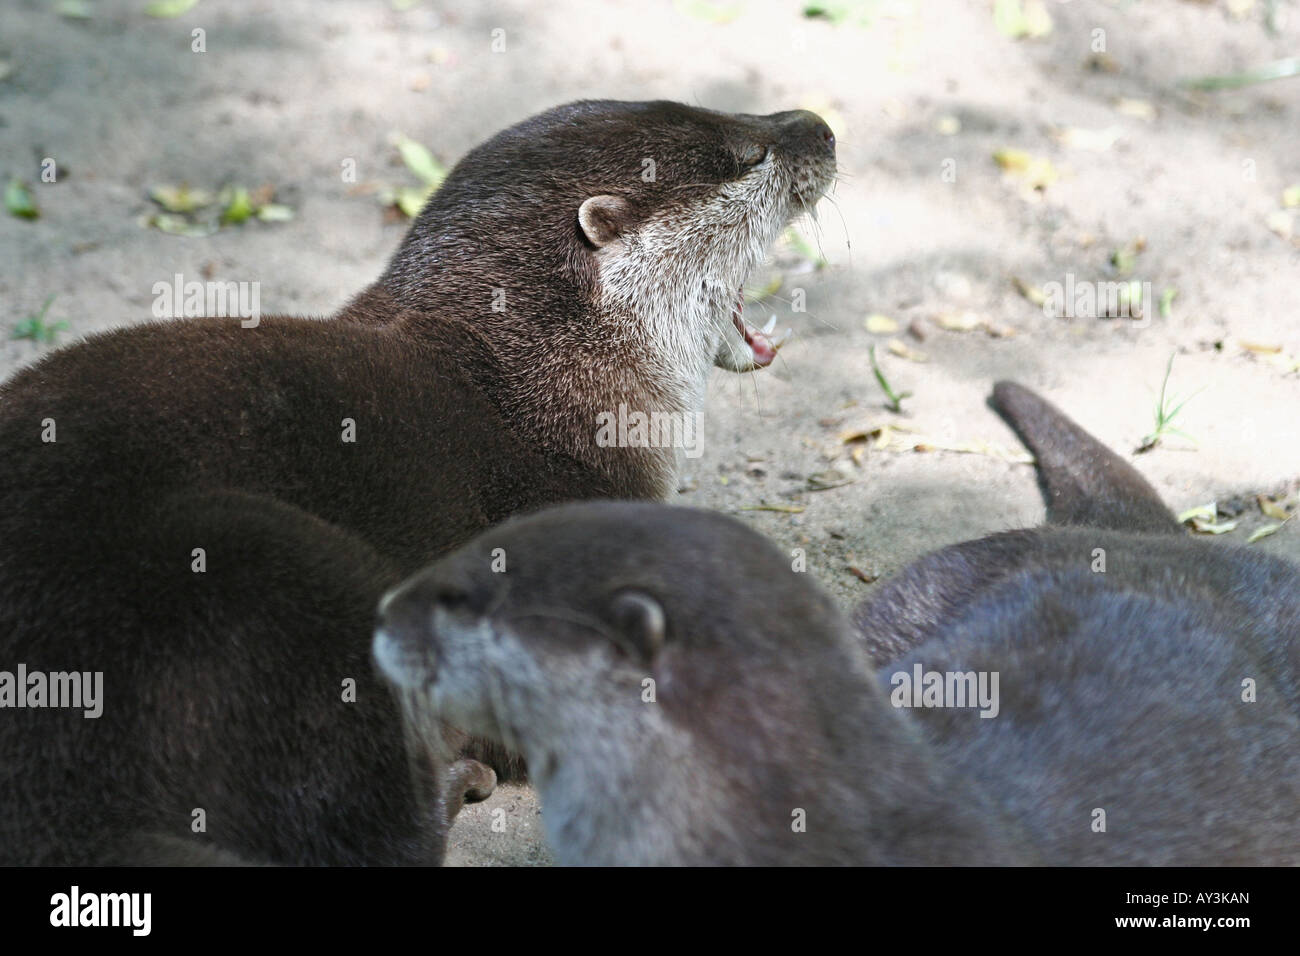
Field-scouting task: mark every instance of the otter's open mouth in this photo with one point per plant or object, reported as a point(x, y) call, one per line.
point(762, 346)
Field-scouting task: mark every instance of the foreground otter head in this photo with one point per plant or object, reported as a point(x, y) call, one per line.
point(636, 222)
point(622, 648)
point(574, 608)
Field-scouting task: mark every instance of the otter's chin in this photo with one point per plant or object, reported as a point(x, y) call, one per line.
point(744, 348)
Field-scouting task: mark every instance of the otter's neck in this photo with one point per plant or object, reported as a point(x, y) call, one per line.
point(847, 781)
point(626, 802)
point(599, 392)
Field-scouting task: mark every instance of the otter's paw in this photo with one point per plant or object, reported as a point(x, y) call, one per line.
point(468, 781)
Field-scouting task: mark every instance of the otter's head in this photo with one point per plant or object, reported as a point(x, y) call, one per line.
point(631, 222)
point(610, 641)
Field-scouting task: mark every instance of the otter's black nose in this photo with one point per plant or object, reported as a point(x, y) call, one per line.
point(805, 130)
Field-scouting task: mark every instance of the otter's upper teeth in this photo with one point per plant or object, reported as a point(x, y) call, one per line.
point(771, 324)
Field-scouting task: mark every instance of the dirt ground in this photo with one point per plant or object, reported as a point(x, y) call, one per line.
point(925, 227)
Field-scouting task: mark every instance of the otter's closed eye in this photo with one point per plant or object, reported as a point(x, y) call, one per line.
point(639, 624)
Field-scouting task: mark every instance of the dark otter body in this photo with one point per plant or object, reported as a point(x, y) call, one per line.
point(315, 463)
point(1122, 690)
point(1119, 692)
point(765, 711)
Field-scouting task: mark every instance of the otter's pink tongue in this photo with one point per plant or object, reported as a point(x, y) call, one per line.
point(762, 347)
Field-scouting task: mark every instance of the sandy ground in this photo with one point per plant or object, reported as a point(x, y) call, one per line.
point(289, 90)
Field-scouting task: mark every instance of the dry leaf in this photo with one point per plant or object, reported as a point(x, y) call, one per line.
point(880, 435)
point(826, 480)
point(1138, 109)
point(1201, 526)
point(1203, 520)
point(1200, 511)
point(1102, 63)
point(262, 195)
point(1018, 20)
point(880, 324)
point(1030, 292)
point(1271, 508)
point(1095, 140)
point(1262, 532)
point(863, 576)
point(899, 348)
point(1034, 170)
point(1260, 347)
point(958, 321)
point(978, 448)
point(180, 198)
point(1280, 223)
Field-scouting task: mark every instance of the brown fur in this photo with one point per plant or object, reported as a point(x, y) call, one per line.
point(223, 688)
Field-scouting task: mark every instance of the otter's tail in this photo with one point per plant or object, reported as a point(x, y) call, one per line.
point(1086, 482)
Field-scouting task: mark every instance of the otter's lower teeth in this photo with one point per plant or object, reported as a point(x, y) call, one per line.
point(781, 339)
point(771, 324)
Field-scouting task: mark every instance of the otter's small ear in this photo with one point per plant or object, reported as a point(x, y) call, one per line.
point(604, 218)
point(639, 624)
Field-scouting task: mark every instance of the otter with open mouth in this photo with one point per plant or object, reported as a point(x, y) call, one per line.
point(207, 513)
point(605, 263)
